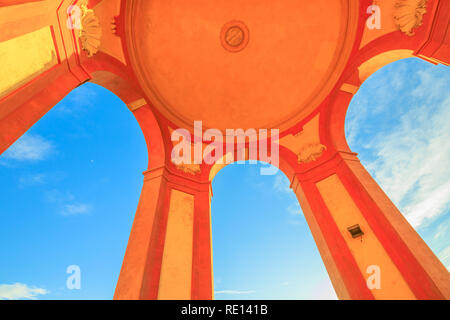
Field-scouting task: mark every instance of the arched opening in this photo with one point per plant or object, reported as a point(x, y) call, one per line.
point(398, 124)
point(69, 191)
point(262, 245)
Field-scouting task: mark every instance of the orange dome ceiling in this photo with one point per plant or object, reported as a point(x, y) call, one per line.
point(239, 64)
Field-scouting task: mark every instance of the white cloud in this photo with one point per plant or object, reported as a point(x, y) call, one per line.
point(295, 213)
point(413, 161)
point(234, 292)
point(75, 209)
point(78, 101)
point(281, 183)
point(427, 208)
point(294, 209)
point(66, 203)
point(324, 291)
point(412, 158)
point(32, 180)
point(441, 230)
point(444, 255)
point(430, 85)
point(29, 148)
point(20, 291)
point(56, 196)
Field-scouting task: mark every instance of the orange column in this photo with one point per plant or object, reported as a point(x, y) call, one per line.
point(202, 271)
point(390, 260)
point(169, 252)
point(131, 277)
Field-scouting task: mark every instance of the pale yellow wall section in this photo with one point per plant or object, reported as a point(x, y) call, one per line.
point(379, 61)
point(367, 250)
point(24, 57)
point(176, 269)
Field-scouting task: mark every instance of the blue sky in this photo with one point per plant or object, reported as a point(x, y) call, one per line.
point(70, 186)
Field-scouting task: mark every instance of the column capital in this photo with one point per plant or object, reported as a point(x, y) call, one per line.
point(178, 179)
point(185, 181)
point(153, 173)
point(324, 168)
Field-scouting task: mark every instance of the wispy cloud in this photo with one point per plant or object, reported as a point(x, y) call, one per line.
point(32, 179)
point(20, 291)
point(234, 292)
point(281, 183)
point(295, 213)
point(56, 196)
point(29, 148)
point(66, 203)
point(324, 291)
point(409, 154)
point(294, 209)
point(75, 209)
point(413, 161)
point(78, 101)
point(442, 230)
point(444, 255)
